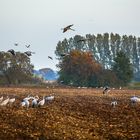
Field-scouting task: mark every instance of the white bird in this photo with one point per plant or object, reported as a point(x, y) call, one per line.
point(25, 103)
point(1, 98)
point(42, 102)
point(134, 99)
point(12, 100)
point(49, 98)
point(114, 103)
point(5, 102)
point(34, 102)
point(106, 90)
point(27, 98)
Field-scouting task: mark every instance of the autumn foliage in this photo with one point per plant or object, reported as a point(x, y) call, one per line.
point(78, 68)
point(15, 69)
point(104, 47)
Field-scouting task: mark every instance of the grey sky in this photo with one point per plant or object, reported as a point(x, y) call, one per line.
point(39, 23)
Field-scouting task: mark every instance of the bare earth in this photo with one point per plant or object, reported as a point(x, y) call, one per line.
point(74, 114)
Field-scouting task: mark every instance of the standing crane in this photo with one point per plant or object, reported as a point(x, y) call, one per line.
point(5, 102)
point(42, 102)
point(34, 101)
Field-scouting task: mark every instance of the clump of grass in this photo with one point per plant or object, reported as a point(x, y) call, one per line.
point(134, 85)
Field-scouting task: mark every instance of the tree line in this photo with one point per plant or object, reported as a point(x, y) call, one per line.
point(104, 48)
point(15, 70)
point(79, 68)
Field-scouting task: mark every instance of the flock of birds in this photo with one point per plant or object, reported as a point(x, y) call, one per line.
point(29, 53)
point(133, 99)
point(6, 101)
point(65, 29)
point(33, 101)
point(25, 101)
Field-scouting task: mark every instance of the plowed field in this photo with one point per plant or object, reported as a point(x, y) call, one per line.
point(74, 114)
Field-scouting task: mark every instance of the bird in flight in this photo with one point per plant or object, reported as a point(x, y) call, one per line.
point(50, 57)
point(83, 40)
point(16, 44)
point(64, 54)
point(12, 52)
point(67, 28)
point(29, 53)
point(27, 46)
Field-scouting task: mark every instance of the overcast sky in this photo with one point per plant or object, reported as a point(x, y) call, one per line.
point(39, 23)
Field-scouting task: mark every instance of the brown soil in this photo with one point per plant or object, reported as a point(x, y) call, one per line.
point(74, 114)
